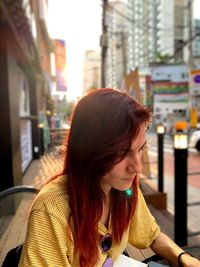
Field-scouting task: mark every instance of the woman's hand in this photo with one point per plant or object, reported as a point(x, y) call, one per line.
point(165, 247)
point(187, 260)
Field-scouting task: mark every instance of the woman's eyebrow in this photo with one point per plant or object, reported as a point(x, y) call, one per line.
point(131, 149)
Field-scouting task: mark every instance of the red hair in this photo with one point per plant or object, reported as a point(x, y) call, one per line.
point(104, 124)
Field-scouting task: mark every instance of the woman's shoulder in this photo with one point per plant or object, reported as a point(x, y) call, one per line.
point(57, 185)
point(53, 197)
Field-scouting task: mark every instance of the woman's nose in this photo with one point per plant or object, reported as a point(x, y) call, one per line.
point(134, 165)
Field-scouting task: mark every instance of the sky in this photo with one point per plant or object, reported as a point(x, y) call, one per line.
point(79, 23)
point(196, 9)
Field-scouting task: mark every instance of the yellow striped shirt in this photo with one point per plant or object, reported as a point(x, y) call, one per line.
point(49, 239)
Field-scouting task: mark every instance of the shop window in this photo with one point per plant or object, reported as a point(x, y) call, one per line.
point(24, 98)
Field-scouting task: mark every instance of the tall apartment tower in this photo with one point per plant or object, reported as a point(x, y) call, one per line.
point(91, 70)
point(117, 36)
point(196, 43)
point(156, 29)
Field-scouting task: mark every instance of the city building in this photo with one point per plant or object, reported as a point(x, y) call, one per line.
point(91, 70)
point(117, 36)
point(156, 32)
point(25, 80)
point(196, 43)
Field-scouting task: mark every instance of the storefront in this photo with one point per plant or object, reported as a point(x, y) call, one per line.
point(19, 78)
point(25, 121)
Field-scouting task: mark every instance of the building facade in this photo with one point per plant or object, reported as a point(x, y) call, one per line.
point(196, 43)
point(91, 70)
point(117, 35)
point(24, 85)
point(156, 32)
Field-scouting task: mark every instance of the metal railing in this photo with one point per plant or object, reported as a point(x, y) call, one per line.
point(58, 141)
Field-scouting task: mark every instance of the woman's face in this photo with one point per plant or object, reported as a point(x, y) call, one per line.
point(123, 173)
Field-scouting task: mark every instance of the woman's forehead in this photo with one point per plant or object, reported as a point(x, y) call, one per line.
point(140, 137)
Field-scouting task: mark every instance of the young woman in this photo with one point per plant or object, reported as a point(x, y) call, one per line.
point(86, 216)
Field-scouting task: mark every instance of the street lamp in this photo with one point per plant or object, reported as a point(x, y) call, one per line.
point(160, 129)
point(180, 188)
point(160, 132)
point(41, 136)
point(180, 140)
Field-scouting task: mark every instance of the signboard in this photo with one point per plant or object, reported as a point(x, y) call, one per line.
point(60, 64)
point(195, 82)
point(26, 143)
point(167, 91)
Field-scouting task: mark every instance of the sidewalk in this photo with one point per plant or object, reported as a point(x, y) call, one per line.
point(193, 196)
point(41, 170)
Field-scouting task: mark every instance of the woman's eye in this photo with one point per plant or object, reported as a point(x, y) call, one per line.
point(142, 148)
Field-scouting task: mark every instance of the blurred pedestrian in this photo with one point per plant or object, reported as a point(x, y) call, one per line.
point(87, 215)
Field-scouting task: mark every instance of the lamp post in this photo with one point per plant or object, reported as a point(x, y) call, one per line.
point(103, 43)
point(41, 134)
point(180, 194)
point(160, 133)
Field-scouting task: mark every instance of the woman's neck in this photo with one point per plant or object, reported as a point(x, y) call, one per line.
point(106, 212)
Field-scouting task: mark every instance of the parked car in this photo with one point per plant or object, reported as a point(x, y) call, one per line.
point(194, 141)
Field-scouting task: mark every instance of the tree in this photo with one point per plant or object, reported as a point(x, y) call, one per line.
point(162, 57)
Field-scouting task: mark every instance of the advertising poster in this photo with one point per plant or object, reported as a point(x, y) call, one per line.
point(172, 92)
point(60, 64)
point(195, 82)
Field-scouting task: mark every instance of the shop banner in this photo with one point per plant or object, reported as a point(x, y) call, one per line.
point(167, 91)
point(195, 82)
point(60, 64)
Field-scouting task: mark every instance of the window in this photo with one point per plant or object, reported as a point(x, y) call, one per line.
point(24, 103)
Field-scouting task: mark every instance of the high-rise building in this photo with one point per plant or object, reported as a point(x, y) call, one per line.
point(117, 35)
point(196, 43)
point(156, 31)
point(91, 70)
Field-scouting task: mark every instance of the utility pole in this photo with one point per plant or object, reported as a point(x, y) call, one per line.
point(124, 49)
point(190, 54)
point(104, 44)
point(190, 39)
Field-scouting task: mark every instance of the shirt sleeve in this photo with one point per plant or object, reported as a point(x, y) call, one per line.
point(46, 242)
point(49, 239)
point(143, 228)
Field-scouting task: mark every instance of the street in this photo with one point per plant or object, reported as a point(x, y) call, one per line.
point(193, 180)
point(193, 160)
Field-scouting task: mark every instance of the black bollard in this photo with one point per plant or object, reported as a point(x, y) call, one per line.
point(41, 134)
point(160, 133)
point(180, 188)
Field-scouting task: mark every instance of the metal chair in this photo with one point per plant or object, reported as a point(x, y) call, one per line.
point(15, 203)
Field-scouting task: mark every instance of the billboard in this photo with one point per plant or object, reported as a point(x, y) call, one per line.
point(60, 65)
point(195, 82)
point(170, 92)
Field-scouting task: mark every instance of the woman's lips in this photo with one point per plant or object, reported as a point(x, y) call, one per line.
point(128, 179)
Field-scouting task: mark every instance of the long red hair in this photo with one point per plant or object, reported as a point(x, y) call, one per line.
point(104, 124)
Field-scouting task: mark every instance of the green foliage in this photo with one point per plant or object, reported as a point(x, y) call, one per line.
point(162, 57)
